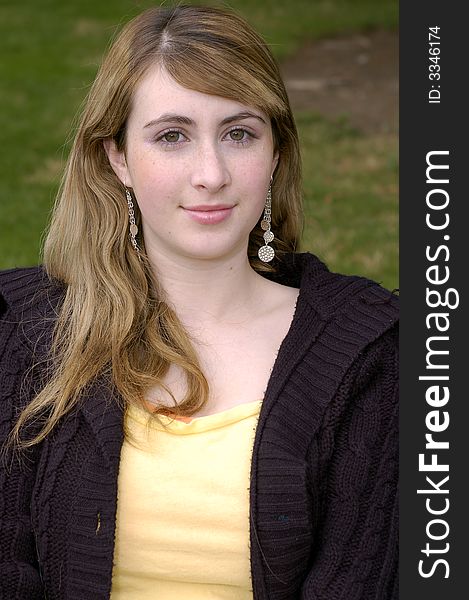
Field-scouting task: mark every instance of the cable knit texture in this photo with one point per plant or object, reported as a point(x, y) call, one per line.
point(323, 491)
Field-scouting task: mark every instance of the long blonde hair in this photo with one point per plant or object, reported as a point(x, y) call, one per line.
point(114, 320)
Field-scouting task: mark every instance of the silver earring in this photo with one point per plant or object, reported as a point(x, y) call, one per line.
point(133, 229)
point(266, 253)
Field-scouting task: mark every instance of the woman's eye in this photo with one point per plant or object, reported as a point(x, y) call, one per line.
point(238, 135)
point(172, 137)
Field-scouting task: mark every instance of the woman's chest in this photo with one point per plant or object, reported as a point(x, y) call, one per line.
point(75, 499)
point(182, 527)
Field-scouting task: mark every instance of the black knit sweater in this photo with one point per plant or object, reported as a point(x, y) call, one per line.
point(323, 494)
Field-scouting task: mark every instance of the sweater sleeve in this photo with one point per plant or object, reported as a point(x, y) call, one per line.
point(356, 549)
point(19, 570)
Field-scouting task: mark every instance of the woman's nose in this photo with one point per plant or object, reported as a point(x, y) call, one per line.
point(210, 170)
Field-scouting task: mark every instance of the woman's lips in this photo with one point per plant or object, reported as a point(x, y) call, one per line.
point(209, 215)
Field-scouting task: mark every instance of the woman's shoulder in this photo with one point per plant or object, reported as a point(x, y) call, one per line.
point(28, 304)
point(19, 285)
point(23, 289)
point(344, 314)
point(346, 330)
point(333, 294)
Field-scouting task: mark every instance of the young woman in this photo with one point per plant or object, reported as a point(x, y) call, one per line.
point(189, 408)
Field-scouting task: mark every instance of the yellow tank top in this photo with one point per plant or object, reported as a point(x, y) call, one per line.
point(182, 527)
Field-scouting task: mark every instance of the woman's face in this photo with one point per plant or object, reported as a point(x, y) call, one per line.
point(199, 166)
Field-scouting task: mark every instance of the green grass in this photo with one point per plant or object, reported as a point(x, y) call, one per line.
point(351, 211)
point(50, 52)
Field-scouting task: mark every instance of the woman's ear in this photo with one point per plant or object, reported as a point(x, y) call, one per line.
point(117, 161)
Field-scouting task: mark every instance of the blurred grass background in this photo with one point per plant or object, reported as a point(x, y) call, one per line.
point(50, 52)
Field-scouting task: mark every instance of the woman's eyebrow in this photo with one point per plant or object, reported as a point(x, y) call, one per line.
point(174, 118)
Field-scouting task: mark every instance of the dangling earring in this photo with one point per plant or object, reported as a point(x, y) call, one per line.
point(266, 253)
point(133, 229)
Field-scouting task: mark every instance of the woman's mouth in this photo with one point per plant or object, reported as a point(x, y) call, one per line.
point(209, 214)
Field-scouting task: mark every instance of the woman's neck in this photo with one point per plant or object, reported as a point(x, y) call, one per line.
point(206, 292)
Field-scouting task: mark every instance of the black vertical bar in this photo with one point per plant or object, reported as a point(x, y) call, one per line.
point(434, 259)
